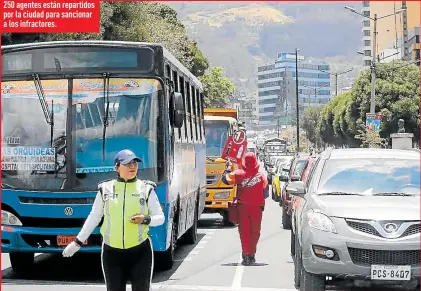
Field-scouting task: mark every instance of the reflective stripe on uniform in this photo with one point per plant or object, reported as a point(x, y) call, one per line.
point(121, 202)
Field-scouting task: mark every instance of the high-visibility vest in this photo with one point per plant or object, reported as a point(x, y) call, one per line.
point(122, 200)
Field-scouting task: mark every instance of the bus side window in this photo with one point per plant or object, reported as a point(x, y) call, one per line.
point(177, 89)
point(202, 117)
point(194, 100)
point(183, 92)
point(188, 89)
point(199, 113)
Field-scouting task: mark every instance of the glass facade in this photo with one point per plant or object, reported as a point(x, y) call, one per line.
point(277, 91)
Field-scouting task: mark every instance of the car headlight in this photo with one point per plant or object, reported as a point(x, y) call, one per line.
point(8, 218)
point(222, 195)
point(320, 221)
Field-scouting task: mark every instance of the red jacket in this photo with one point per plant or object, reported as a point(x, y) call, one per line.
point(250, 181)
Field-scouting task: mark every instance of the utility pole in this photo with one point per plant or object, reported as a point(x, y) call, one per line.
point(297, 101)
point(336, 78)
point(373, 68)
point(374, 56)
point(405, 32)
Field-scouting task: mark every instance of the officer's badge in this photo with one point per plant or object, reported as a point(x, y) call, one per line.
point(142, 201)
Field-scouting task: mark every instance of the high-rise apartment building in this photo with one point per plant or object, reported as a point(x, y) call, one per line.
point(390, 30)
point(277, 88)
point(366, 34)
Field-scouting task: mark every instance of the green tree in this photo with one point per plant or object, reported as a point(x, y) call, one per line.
point(370, 138)
point(397, 96)
point(309, 121)
point(216, 88)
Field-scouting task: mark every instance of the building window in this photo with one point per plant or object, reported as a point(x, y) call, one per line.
point(417, 39)
point(417, 55)
point(367, 63)
point(367, 53)
point(366, 3)
point(367, 43)
point(367, 32)
point(366, 23)
point(366, 13)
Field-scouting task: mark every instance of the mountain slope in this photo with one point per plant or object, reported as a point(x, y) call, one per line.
point(241, 35)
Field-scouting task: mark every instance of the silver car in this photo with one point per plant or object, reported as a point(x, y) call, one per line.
point(358, 220)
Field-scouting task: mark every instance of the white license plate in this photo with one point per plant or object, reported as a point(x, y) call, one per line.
point(393, 273)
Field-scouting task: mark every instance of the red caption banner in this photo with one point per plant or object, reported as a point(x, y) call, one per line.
point(44, 16)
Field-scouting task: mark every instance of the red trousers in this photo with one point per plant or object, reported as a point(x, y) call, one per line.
point(250, 220)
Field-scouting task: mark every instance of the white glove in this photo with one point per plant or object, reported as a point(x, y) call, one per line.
point(71, 249)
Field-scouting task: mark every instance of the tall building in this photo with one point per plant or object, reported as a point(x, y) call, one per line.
point(390, 30)
point(366, 34)
point(276, 84)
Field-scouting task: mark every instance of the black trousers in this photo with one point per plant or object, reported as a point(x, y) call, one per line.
point(134, 265)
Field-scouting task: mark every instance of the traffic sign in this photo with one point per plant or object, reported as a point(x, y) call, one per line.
point(239, 136)
point(234, 150)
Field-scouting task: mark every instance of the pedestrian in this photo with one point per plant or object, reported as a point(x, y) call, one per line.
point(252, 190)
point(130, 207)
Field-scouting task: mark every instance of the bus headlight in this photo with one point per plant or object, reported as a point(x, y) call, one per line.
point(8, 218)
point(222, 195)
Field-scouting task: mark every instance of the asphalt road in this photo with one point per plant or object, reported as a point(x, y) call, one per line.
point(212, 264)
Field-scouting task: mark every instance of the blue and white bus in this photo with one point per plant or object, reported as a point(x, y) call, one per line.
point(67, 109)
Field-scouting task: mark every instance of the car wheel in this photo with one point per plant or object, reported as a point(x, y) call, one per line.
point(311, 282)
point(298, 265)
point(286, 218)
point(292, 244)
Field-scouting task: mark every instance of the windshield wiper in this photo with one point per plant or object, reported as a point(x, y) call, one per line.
point(341, 193)
point(49, 117)
point(392, 194)
point(105, 118)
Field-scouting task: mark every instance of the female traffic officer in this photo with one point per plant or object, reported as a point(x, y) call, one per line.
point(129, 207)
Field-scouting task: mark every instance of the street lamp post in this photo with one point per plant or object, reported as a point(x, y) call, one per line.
point(373, 65)
point(297, 100)
point(336, 77)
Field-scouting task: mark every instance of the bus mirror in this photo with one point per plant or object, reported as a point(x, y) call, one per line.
point(178, 110)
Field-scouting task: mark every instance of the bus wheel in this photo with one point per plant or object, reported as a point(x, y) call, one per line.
point(191, 234)
point(166, 259)
point(22, 262)
point(225, 218)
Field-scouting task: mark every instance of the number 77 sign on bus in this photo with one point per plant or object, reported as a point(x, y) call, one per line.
point(235, 147)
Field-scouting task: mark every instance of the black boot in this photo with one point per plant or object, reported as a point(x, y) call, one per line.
point(246, 261)
point(252, 259)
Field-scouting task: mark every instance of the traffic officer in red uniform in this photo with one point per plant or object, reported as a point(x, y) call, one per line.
point(251, 193)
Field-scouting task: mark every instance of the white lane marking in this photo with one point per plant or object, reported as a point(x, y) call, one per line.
point(238, 277)
point(160, 287)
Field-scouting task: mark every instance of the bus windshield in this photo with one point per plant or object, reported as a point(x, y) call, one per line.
point(30, 161)
point(217, 132)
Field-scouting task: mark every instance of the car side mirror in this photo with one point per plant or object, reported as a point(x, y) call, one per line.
point(296, 189)
point(177, 110)
point(283, 178)
point(295, 178)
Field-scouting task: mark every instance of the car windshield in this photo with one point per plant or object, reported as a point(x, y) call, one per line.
point(299, 167)
point(216, 134)
point(281, 167)
point(370, 177)
point(30, 161)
